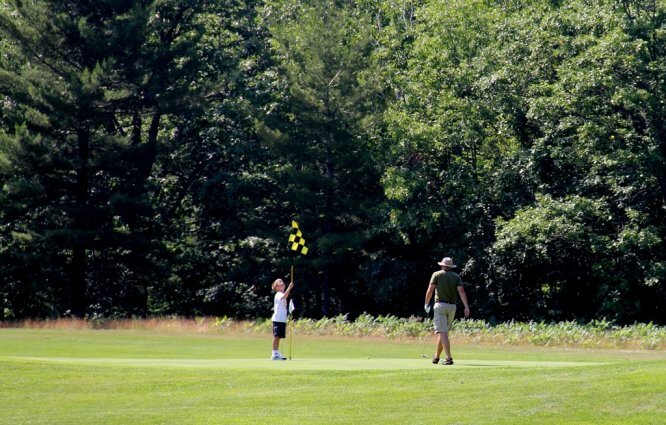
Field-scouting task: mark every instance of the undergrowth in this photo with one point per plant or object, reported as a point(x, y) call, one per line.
point(598, 333)
point(595, 334)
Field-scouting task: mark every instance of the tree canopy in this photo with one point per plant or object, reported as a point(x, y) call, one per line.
point(154, 153)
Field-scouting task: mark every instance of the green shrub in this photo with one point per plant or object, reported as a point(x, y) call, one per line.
point(597, 333)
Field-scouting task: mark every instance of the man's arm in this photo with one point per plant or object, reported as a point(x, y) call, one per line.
point(429, 292)
point(463, 297)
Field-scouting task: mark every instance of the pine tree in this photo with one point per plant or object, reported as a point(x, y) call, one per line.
point(322, 49)
point(92, 95)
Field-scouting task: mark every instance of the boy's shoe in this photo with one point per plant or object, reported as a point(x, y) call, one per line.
point(448, 362)
point(277, 357)
point(435, 360)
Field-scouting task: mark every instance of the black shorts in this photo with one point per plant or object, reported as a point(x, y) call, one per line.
point(280, 329)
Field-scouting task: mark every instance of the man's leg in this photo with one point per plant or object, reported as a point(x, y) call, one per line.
point(450, 315)
point(444, 342)
point(437, 322)
point(276, 343)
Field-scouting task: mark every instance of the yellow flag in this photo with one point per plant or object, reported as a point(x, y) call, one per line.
point(296, 240)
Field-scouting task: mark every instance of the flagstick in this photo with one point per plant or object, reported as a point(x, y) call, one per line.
point(290, 325)
point(290, 316)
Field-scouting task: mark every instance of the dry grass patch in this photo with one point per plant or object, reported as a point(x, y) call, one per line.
point(596, 334)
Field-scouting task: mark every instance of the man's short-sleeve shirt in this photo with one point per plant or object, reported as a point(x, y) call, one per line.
point(447, 283)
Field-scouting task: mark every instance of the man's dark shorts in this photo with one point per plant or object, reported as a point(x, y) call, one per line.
point(280, 329)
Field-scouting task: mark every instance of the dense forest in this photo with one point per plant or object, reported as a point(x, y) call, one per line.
point(153, 154)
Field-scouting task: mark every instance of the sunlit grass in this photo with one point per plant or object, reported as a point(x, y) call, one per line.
point(194, 376)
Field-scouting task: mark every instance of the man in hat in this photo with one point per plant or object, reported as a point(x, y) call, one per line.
point(446, 285)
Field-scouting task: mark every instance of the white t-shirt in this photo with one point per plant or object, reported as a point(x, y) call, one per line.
point(279, 308)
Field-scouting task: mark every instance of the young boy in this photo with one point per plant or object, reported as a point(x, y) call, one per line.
point(279, 317)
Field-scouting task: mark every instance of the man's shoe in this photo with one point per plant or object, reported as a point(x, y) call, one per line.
point(278, 357)
point(435, 359)
point(448, 362)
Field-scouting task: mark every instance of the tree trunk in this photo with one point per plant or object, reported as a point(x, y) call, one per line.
point(79, 284)
point(328, 228)
point(326, 293)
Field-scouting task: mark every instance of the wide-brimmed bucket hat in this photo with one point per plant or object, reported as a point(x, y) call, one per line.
point(447, 262)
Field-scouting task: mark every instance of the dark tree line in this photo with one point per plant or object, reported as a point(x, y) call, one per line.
point(154, 153)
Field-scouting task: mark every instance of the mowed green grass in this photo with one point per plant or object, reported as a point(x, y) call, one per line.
point(147, 377)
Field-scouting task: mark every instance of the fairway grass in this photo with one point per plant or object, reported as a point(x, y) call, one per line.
point(149, 377)
point(295, 365)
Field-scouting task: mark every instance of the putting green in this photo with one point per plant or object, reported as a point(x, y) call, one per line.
point(294, 364)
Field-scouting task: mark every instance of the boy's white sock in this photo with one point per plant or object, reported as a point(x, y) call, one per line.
point(275, 352)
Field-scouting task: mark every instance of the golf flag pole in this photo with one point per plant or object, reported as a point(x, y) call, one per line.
point(296, 243)
point(291, 305)
point(291, 319)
